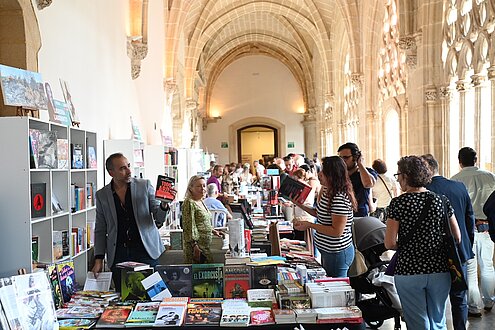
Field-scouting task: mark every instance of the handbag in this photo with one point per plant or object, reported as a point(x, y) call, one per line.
point(392, 265)
point(198, 256)
point(458, 282)
point(358, 266)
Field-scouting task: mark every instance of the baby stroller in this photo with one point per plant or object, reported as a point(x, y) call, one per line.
point(383, 302)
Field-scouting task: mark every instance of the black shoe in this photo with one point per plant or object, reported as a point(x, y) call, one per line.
point(488, 309)
point(474, 314)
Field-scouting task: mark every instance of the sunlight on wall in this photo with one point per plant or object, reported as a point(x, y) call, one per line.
point(392, 138)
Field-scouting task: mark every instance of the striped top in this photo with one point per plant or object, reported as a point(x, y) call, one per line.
point(341, 205)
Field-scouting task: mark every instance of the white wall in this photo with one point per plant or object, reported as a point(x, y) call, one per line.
point(255, 86)
point(85, 44)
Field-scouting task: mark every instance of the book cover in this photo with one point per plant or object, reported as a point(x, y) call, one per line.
point(33, 147)
point(237, 280)
point(55, 285)
point(144, 314)
point(294, 189)
point(63, 153)
point(34, 301)
point(165, 188)
point(67, 279)
point(65, 243)
point(74, 324)
point(132, 288)
point(47, 149)
point(114, 316)
point(178, 279)
point(35, 249)
point(261, 298)
point(57, 244)
point(264, 277)
point(9, 304)
point(203, 315)
point(262, 316)
point(133, 265)
point(170, 315)
point(155, 287)
point(92, 157)
point(176, 239)
point(77, 158)
point(235, 313)
point(207, 280)
point(56, 206)
point(80, 311)
point(38, 200)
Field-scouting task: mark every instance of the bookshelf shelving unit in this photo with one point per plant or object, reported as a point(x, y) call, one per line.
point(16, 175)
point(132, 149)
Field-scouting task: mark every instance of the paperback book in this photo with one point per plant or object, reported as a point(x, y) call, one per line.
point(114, 316)
point(144, 314)
point(38, 200)
point(132, 288)
point(237, 280)
point(55, 285)
point(155, 287)
point(165, 188)
point(178, 279)
point(264, 277)
point(171, 315)
point(203, 315)
point(67, 279)
point(294, 189)
point(207, 280)
point(133, 265)
point(74, 324)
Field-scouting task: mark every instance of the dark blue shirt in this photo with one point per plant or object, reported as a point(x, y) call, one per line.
point(362, 194)
point(458, 196)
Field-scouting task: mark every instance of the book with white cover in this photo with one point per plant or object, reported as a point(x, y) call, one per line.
point(155, 287)
point(170, 315)
point(100, 283)
point(235, 313)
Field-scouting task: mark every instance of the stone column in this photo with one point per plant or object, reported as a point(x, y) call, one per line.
point(192, 115)
point(171, 89)
point(310, 133)
point(476, 80)
point(461, 88)
point(431, 102)
point(491, 77)
point(444, 157)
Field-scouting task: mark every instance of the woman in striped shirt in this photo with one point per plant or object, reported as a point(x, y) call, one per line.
point(334, 216)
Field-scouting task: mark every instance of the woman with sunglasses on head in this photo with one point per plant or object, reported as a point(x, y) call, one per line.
point(415, 223)
point(334, 217)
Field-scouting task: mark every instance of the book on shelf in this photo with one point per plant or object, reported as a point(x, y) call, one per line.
point(47, 149)
point(237, 280)
point(131, 286)
point(165, 188)
point(58, 248)
point(178, 279)
point(89, 194)
point(264, 277)
point(56, 206)
point(76, 324)
point(294, 189)
point(38, 200)
point(76, 156)
point(207, 280)
point(67, 279)
point(114, 316)
point(55, 285)
point(155, 287)
point(91, 158)
point(35, 248)
point(143, 314)
point(133, 265)
point(100, 283)
point(65, 243)
point(63, 153)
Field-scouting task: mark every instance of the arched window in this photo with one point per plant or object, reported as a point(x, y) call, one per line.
point(467, 32)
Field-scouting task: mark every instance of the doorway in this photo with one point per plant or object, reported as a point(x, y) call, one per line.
point(257, 142)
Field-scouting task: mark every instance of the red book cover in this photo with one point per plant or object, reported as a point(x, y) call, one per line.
point(294, 189)
point(165, 188)
point(262, 317)
point(114, 316)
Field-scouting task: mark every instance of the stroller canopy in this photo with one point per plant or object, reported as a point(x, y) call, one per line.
point(369, 232)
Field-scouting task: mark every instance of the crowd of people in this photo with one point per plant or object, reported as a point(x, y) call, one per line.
point(410, 202)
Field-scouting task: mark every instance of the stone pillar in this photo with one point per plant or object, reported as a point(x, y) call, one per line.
point(461, 88)
point(431, 102)
point(491, 77)
point(404, 129)
point(310, 133)
point(192, 115)
point(444, 157)
point(476, 80)
point(170, 86)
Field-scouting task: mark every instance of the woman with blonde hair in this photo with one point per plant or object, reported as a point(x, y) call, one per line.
point(196, 223)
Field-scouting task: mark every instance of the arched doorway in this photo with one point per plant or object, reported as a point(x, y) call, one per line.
point(257, 142)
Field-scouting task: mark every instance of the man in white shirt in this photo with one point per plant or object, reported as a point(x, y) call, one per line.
point(480, 184)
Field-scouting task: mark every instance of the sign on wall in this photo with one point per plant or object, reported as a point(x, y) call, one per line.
point(291, 144)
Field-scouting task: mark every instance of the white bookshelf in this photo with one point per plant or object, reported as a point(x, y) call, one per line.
point(132, 149)
point(17, 225)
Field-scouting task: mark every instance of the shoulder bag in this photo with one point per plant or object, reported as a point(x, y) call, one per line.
point(453, 261)
point(358, 266)
point(392, 265)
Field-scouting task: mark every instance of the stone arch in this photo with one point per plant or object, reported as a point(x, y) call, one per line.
point(464, 64)
point(256, 121)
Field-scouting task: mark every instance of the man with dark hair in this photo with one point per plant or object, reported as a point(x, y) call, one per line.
point(362, 178)
point(126, 212)
point(480, 184)
point(458, 196)
point(216, 177)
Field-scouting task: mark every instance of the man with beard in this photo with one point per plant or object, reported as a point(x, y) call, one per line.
point(362, 178)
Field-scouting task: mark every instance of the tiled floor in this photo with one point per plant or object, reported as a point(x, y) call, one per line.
point(486, 322)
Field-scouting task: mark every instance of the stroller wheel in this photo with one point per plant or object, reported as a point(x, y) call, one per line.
point(374, 324)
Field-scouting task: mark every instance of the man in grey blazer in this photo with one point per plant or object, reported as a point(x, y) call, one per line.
point(126, 211)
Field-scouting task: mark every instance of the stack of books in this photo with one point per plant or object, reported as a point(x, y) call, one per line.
point(306, 315)
point(351, 314)
point(235, 313)
point(331, 294)
point(284, 316)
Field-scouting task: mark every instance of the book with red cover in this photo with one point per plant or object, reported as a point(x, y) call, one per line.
point(114, 316)
point(237, 280)
point(294, 189)
point(165, 188)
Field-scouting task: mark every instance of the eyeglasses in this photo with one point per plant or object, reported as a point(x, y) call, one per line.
point(346, 157)
point(396, 175)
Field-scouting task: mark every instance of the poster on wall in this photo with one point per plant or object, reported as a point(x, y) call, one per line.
point(22, 88)
point(224, 145)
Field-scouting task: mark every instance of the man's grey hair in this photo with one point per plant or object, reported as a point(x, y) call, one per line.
point(211, 189)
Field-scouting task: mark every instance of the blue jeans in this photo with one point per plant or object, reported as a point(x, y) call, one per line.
point(483, 256)
point(129, 254)
point(459, 306)
point(423, 298)
point(336, 264)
